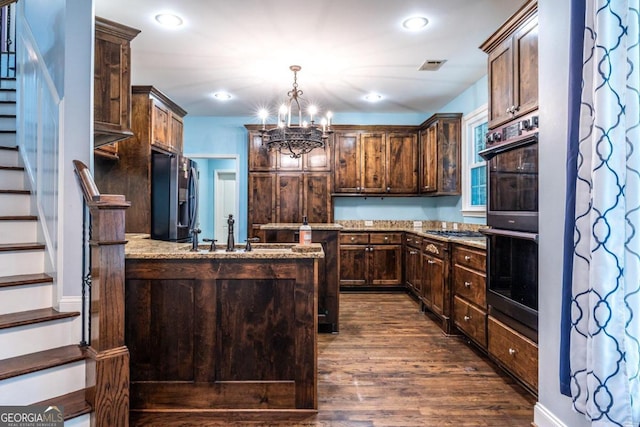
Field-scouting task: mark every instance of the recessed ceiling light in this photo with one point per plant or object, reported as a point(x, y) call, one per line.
point(373, 97)
point(169, 20)
point(222, 96)
point(415, 23)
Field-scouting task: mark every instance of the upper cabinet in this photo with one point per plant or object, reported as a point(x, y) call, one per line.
point(513, 67)
point(158, 119)
point(440, 141)
point(112, 83)
point(375, 160)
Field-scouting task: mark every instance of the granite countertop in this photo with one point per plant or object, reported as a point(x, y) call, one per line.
point(141, 247)
point(296, 226)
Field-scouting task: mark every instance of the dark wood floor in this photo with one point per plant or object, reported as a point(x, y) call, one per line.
point(390, 365)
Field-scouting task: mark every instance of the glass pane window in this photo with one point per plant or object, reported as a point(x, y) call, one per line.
point(474, 169)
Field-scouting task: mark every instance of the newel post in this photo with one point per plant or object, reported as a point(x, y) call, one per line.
point(107, 371)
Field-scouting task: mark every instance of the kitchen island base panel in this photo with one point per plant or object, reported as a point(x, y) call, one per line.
point(221, 334)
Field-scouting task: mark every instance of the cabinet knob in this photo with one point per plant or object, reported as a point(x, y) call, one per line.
point(386, 238)
point(467, 318)
point(430, 262)
point(412, 252)
point(512, 351)
point(467, 284)
point(409, 240)
point(388, 189)
point(353, 239)
point(467, 258)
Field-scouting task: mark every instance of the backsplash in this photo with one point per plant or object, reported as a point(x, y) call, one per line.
point(405, 225)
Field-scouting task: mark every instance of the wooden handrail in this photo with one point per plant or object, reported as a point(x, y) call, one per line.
point(90, 191)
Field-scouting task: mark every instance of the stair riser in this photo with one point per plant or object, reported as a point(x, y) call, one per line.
point(81, 421)
point(7, 123)
point(42, 336)
point(15, 204)
point(26, 297)
point(8, 157)
point(38, 386)
point(12, 179)
point(18, 231)
point(8, 139)
point(8, 108)
point(21, 262)
point(7, 95)
point(8, 83)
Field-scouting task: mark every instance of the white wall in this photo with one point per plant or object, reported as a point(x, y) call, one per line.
point(553, 409)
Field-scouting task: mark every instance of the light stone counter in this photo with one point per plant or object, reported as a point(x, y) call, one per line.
point(140, 247)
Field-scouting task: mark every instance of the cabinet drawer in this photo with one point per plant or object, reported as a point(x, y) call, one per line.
point(470, 285)
point(385, 238)
point(471, 258)
point(413, 240)
point(434, 247)
point(354, 238)
point(514, 351)
point(470, 320)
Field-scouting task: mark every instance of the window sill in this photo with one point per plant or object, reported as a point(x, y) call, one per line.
point(474, 213)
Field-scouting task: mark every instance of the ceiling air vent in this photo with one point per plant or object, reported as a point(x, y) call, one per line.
point(432, 64)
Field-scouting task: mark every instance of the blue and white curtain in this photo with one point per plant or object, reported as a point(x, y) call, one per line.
point(600, 360)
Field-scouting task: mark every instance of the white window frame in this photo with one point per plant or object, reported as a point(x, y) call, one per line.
point(469, 121)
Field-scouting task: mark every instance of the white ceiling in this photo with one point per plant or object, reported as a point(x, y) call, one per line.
point(347, 48)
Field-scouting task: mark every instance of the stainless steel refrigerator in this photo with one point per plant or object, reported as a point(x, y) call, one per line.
point(174, 196)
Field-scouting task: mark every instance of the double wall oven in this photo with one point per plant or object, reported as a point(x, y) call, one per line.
point(512, 214)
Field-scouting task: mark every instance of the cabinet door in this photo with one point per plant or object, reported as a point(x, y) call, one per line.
point(176, 140)
point(319, 159)
point(160, 121)
point(526, 67)
point(428, 159)
point(347, 163)
point(289, 197)
point(317, 197)
point(353, 265)
point(448, 158)
point(260, 158)
point(262, 203)
point(411, 256)
point(373, 162)
point(386, 265)
point(402, 163)
point(287, 163)
point(501, 97)
point(434, 271)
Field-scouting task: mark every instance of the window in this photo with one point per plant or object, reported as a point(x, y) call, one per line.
point(474, 169)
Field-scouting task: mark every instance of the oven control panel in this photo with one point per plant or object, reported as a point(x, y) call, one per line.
point(512, 130)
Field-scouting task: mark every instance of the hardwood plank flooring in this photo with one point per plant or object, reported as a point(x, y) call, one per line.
point(391, 366)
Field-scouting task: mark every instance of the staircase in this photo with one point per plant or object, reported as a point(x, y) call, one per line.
point(41, 361)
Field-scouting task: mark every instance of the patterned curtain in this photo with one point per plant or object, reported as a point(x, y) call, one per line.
point(601, 365)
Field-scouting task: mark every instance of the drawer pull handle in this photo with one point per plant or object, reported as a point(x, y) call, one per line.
point(467, 318)
point(409, 240)
point(467, 284)
point(386, 238)
point(512, 351)
point(430, 262)
point(413, 252)
point(467, 258)
point(353, 239)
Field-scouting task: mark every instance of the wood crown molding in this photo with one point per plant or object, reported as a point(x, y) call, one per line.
point(527, 11)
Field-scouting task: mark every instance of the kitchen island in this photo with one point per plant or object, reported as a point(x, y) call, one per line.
point(217, 334)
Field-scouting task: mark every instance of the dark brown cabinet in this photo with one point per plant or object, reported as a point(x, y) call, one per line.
point(112, 85)
point(283, 189)
point(328, 287)
point(436, 292)
point(469, 287)
point(413, 263)
point(440, 142)
point(375, 160)
point(370, 259)
point(130, 174)
point(513, 67)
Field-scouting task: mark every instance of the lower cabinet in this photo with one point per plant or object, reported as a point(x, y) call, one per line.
point(436, 292)
point(413, 263)
point(370, 259)
point(514, 352)
point(469, 287)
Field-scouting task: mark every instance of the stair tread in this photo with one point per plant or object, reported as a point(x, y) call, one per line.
point(29, 317)
point(74, 403)
point(2, 147)
point(6, 247)
point(33, 362)
point(24, 279)
point(19, 218)
point(15, 192)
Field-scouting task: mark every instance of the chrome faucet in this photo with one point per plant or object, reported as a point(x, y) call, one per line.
point(194, 239)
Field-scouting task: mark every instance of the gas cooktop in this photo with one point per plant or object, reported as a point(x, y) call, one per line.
point(455, 233)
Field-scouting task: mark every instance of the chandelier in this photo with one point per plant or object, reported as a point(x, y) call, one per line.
point(295, 137)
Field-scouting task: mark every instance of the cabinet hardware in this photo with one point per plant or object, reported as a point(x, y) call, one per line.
point(467, 258)
point(430, 262)
point(467, 318)
point(512, 351)
point(467, 284)
point(412, 252)
point(388, 189)
point(386, 238)
point(353, 239)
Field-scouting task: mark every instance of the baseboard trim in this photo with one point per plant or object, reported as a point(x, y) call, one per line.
point(70, 304)
point(542, 417)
